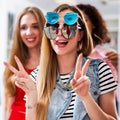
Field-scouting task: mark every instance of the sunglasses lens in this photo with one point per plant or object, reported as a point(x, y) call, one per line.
point(72, 31)
point(51, 32)
point(70, 18)
point(52, 17)
point(67, 31)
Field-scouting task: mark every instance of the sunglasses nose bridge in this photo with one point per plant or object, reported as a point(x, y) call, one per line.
point(59, 32)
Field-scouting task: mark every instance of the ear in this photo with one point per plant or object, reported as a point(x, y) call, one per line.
point(80, 35)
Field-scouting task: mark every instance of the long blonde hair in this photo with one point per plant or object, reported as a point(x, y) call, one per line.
point(48, 65)
point(19, 48)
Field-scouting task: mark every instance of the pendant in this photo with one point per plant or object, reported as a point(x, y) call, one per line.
point(69, 86)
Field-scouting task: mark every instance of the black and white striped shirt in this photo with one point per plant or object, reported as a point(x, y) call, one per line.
point(106, 80)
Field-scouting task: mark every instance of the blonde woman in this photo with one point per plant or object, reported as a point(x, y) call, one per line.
point(26, 45)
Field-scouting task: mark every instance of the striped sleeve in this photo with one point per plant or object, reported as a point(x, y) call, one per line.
point(34, 74)
point(107, 82)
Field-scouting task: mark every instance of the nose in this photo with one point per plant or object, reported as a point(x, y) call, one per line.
point(28, 31)
point(60, 30)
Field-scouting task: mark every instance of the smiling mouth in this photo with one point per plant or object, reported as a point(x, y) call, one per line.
point(61, 43)
point(31, 39)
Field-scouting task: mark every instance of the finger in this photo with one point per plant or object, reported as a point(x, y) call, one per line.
point(21, 68)
point(113, 57)
point(78, 85)
point(73, 82)
point(78, 67)
point(79, 81)
point(20, 85)
point(85, 67)
point(10, 67)
point(85, 85)
point(109, 54)
point(78, 63)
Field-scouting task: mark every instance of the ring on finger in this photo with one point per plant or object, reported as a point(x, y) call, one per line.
point(16, 78)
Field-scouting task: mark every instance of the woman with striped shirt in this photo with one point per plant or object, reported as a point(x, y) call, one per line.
point(106, 84)
point(69, 85)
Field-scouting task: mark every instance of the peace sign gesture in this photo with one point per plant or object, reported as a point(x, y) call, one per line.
point(80, 82)
point(22, 78)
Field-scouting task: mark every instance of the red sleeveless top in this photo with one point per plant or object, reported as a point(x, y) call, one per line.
point(18, 106)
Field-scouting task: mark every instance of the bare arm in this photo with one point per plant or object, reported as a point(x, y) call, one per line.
point(31, 106)
point(105, 111)
point(9, 101)
point(24, 81)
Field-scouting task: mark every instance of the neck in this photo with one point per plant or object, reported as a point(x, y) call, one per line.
point(34, 51)
point(34, 59)
point(66, 63)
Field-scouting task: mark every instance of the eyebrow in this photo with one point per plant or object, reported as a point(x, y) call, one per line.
point(35, 23)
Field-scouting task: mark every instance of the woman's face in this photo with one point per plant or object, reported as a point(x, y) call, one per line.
point(29, 31)
point(62, 45)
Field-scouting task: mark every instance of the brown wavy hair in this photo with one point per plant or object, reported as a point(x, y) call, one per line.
point(100, 32)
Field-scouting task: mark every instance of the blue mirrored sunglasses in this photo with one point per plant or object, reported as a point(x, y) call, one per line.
point(69, 18)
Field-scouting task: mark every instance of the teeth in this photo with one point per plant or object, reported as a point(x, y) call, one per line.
point(61, 42)
point(30, 39)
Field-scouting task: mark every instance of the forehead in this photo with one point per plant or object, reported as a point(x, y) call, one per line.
point(28, 17)
point(62, 13)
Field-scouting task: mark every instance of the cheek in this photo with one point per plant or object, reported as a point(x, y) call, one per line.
point(36, 31)
point(38, 34)
point(52, 43)
point(78, 36)
point(22, 34)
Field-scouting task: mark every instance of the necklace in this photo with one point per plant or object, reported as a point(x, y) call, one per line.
point(66, 79)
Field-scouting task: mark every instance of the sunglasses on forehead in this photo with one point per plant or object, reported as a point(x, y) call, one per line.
point(69, 28)
point(69, 18)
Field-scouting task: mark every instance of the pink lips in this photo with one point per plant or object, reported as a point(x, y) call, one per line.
point(61, 43)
